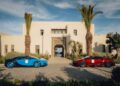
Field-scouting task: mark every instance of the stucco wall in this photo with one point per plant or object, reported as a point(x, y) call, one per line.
point(36, 38)
point(47, 26)
point(98, 42)
point(17, 41)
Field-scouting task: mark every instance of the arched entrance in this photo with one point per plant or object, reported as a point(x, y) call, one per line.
point(59, 51)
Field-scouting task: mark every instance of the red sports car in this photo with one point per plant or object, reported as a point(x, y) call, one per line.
point(94, 61)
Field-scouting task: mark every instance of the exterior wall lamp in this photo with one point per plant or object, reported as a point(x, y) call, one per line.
point(42, 32)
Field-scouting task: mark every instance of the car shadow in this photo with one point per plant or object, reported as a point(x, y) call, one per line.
point(82, 74)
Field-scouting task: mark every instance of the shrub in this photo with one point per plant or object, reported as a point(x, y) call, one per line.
point(116, 74)
point(35, 55)
point(2, 59)
point(10, 55)
point(117, 61)
point(6, 83)
point(83, 55)
point(71, 57)
point(57, 83)
point(17, 82)
point(13, 54)
point(46, 56)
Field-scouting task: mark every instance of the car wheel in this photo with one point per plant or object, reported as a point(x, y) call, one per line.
point(108, 64)
point(36, 64)
point(82, 64)
point(10, 65)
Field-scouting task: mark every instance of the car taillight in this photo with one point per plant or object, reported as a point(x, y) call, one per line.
point(103, 60)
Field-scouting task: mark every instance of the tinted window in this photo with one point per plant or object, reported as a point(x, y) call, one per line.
point(20, 57)
point(28, 57)
point(97, 57)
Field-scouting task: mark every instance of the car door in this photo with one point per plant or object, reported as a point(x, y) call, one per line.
point(23, 61)
point(31, 61)
point(20, 61)
point(97, 60)
point(91, 61)
point(88, 61)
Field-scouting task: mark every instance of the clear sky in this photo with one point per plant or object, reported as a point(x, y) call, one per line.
point(12, 13)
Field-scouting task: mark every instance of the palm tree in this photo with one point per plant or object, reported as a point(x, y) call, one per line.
point(28, 20)
point(88, 14)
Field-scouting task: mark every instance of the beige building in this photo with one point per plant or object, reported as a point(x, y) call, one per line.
point(52, 38)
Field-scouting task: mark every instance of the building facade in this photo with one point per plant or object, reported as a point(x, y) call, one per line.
point(51, 38)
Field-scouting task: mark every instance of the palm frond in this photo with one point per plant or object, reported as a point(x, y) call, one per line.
point(96, 13)
point(28, 19)
point(87, 13)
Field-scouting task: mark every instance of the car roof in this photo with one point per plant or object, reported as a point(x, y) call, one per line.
point(25, 57)
point(86, 57)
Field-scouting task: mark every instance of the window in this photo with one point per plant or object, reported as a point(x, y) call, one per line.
point(12, 48)
point(37, 50)
point(42, 32)
point(103, 48)
point(75, 32)
point(59, 31)
point(6, 48)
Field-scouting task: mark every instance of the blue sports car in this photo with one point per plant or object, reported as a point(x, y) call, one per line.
point(26, 61)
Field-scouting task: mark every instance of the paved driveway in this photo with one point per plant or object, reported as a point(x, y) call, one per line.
point(57, 70)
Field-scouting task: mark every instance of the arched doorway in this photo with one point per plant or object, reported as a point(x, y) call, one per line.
point(59, 51)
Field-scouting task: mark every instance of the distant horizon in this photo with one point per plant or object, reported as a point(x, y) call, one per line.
point(12, 13)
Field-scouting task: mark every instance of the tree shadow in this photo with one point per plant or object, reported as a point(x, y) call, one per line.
point(79, 77)
point(5, 79)
point(82, 74)
point(57, 79)
point(5, 76)
point(42, 77)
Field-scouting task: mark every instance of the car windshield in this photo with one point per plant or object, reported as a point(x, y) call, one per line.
point(85, 57)
point(96, 57)
point(18, 57)
point(33, 57)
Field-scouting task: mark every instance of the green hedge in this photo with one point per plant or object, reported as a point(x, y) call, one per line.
point(2, 60)
point(117, 61)
point(9, 55)
point(46, 56)
point(14, 54)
